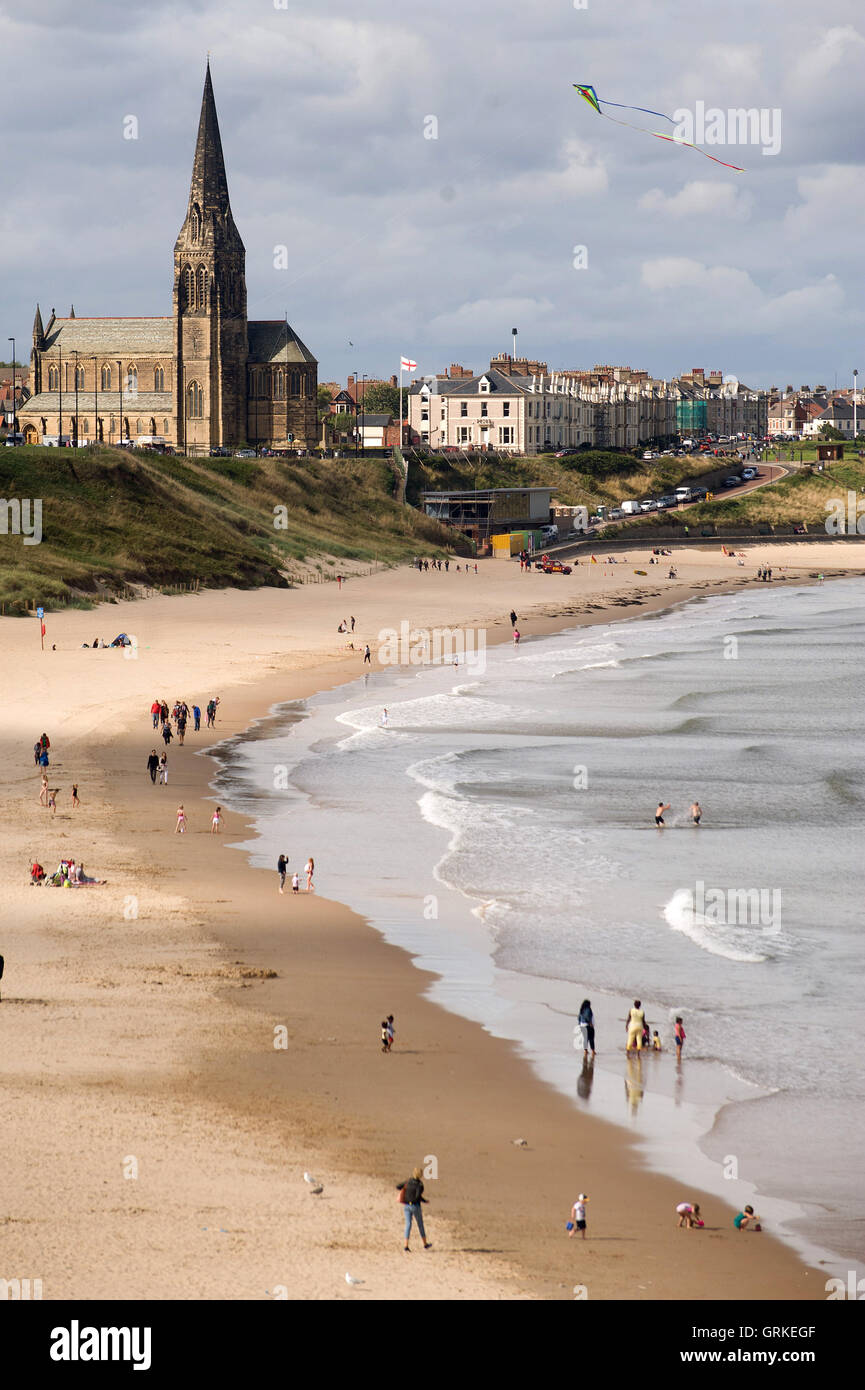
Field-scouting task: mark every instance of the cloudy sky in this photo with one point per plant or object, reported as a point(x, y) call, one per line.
point(438, 247)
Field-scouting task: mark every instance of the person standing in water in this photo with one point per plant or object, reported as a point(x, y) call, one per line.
point(679, 1035)
point(635, 1024)
point(659, 813)
point(696, 813)
point(587, 1028)
point(309, 870)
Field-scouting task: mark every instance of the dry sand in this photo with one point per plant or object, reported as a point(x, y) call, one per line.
point(158, 1138)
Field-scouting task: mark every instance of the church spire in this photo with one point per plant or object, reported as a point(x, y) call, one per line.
point(209, 186)
point(38, 330)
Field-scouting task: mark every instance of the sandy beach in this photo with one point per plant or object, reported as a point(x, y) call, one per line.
point(160, 1136)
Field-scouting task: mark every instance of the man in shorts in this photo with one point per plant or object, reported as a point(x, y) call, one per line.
point(659, 813)
point(578, 1214)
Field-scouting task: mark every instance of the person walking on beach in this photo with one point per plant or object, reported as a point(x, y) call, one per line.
point(689, 1214)
point(578, 1216)
point(52, 800)
point(166, 733)
point(153, 765)
point(411, 1196)
point(352, 623)
point(390, 1032)
point(196, 715)
point(696, 813)
point(163, 770)
point(37, 753)
point(154, 712)
point(636, 1022)
point(516, 637)
point(513, 617)
point(367, 656)
point(76, 800)
point(180, 827)
point(281, 869)
point(216, 821)
point(679, 1035)
point(383, 720)
point(43, 791)
point(587, 1028)
point(384, 1046)
point(309, 870)
point(659, 812)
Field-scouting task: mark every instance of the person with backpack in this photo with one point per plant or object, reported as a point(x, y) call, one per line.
point(411, 1196)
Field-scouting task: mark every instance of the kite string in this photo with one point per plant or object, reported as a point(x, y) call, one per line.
point(674, 140)
point(645, 109)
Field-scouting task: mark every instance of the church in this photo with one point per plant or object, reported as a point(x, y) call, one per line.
point(202, 378)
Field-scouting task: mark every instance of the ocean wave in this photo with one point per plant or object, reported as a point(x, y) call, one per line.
point(720, 939)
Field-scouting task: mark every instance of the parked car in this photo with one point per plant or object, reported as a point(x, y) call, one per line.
point(556, 567)
point(615, 515)
point(732, 481)
point(245, 454)
point(749, 473)
point(648, 505)
point(699, 494)
point(630, 508)
point(683, 494)
point(669, 500)
point(565, 453)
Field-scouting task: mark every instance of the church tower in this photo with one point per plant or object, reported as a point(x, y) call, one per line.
point(210, 330)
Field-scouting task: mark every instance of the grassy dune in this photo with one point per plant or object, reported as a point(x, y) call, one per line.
point(112, 517)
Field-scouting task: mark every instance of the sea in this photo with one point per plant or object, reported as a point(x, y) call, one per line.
point(498, 823)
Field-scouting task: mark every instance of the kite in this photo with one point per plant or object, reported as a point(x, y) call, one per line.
point(590, 95)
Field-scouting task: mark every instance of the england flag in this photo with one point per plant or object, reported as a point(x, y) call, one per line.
point(406, 364)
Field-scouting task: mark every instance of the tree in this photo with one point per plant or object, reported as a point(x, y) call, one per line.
point(380, 398)
point(323, 402)
point(342, 424)
point(829, 432)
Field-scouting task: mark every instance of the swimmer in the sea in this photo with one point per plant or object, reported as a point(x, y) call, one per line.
point(696, 813)
point(659, 814)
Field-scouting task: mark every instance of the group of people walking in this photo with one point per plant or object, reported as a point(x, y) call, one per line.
point(640, 1036)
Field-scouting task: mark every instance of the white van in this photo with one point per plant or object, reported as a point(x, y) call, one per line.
point(683, 494)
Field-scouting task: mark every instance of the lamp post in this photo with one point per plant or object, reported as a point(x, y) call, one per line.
point(356, 409)
point(60, 382)
point(75, 427)
point(120, 384)
point(14, 421)
point(855, 376)
point(362, 414)
point(95, 403)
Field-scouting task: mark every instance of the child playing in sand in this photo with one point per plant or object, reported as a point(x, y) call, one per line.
point(689, 1214)
point(390, 1032)
point(215, 821)
point(295, 882)
point(747, 1218)
point(52, 800)
point(578, 1212)
point(384, 1046)
point(180, 827)
point(679, 1035)
point(656, 1041)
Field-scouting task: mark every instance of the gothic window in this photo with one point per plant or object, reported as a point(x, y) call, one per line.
point(188, 287)
point(195, 222)
point(158, 379)
point(53, 379)
point(201, 289)
point(112, 425)
point(295, 384)
point(152, 425)
point(165, 427)
point(279, 385)
point(132, 378)
point(79, 378)
point(106, 378)
point(84, 426)
point(255, 385)
point(138, 429)
point(194, 401)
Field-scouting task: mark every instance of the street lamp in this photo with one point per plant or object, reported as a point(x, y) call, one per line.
point(356, 409)
point(75, 429)
point(120, 384)
point(60, 382)
point(362, 414)
point(14, 421)
point(95, 403)
point(855, 375)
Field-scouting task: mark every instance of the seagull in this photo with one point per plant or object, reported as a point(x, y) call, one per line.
point(307, 1177)
point(317, 1191)
point(520, 1143)
point(349, 1279)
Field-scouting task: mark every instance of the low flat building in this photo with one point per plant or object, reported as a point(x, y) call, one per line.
point(489, 512)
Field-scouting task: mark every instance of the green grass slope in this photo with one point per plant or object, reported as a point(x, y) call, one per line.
point(111, 517)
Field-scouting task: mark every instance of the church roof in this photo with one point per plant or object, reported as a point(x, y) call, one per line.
point(117, 336)
point(143, 403)
point(267, 343)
